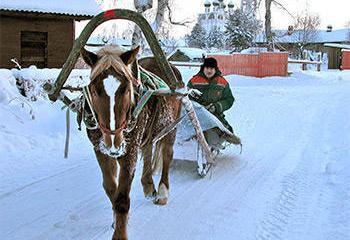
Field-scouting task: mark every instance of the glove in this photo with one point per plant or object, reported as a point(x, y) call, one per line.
point(195, 93)
point(211, 108)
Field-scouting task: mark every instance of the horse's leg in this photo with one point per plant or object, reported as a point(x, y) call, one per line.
point(109, 171)
point(167, 155)
point(122, 201)
point(147, 180)
point(108, 165)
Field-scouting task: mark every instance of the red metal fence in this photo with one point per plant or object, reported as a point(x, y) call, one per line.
point(255, 65)
point(345, 60)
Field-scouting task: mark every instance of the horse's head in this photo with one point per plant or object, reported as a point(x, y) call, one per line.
point(112, 94)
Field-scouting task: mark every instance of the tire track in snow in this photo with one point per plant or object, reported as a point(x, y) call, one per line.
point(292, 214)
point(17, 190)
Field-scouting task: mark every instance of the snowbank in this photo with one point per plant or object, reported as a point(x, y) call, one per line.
point(8, 89)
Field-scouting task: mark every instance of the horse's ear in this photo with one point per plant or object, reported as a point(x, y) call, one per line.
point(130, 56)
point(89, 57)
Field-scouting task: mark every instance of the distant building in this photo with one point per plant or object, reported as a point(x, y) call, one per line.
point(40, 33)
point(289, 41)
point(186, 54)
point(215, 15)
point(249, 6)
point(335, 54)
point(217, 12)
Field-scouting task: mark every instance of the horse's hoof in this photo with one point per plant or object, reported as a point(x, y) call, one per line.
point(160, 201)
point(151, 196)
point(162, 197)
point(149, 191)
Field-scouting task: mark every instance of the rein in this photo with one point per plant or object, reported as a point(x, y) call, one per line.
point(114, 132)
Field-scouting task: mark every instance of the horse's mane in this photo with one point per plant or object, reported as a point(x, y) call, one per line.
point(109, 56)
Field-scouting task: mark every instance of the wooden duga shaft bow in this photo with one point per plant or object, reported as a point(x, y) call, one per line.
point(54, 89)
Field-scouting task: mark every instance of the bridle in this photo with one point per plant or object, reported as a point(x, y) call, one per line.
point(144, 95)
point(104, 129)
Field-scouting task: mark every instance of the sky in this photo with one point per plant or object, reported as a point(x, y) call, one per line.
point(335, 12)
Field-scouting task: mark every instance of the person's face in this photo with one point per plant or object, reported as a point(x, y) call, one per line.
point(209, 72)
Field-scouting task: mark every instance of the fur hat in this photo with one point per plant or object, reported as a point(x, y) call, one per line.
point(210, 62)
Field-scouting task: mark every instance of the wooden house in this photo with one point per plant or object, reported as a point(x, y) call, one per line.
point(289, 41)
point(40, 32)
point(336, 55)
point(186, 54)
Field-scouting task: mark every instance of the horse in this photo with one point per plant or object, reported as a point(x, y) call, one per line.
point(115, 90)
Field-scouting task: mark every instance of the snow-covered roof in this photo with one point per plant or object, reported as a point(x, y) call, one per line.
point(192, 53)
point(281, 36)
point(335, 45)
point(69, 7)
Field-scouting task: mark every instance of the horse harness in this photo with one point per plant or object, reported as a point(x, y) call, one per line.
point(150, 85)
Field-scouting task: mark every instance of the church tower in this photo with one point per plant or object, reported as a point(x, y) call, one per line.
point(249, 6)
point(216, 13)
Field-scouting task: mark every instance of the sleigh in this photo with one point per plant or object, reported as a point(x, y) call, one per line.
point(189, 127)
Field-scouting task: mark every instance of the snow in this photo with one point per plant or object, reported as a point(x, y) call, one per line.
point(291, 182)
point(76, 7)
point(8, 89)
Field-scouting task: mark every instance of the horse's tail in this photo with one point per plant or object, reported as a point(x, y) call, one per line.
point(157, 160)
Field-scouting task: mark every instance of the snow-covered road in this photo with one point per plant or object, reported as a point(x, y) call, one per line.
point(290, 182)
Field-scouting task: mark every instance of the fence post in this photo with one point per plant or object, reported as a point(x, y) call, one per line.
point(319, 60)
point(304, 65)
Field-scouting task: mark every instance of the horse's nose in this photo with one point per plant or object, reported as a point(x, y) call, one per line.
point(119, 150)
point(108, 140)
point(117, 140)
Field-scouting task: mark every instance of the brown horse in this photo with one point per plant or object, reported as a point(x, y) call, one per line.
point(114, 89)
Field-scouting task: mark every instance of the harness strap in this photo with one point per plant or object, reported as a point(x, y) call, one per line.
point(142, 102)
point(156, 85)
point(87, 96)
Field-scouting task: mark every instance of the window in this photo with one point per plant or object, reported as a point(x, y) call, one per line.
point(34, 49)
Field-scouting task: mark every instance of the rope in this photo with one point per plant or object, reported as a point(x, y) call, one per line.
point(66, 146)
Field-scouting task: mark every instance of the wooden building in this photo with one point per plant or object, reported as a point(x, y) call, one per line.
point(286, 41)
point(40, 33)
point(335, 54)
point(186, 54)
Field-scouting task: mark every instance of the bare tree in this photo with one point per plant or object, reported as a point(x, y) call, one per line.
point(305, 29)
point(162, 18)
point(268, 29)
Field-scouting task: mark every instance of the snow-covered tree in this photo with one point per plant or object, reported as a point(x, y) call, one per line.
point(197, 37)
point(215, 39)
point(241, 30)
point(305, 29)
